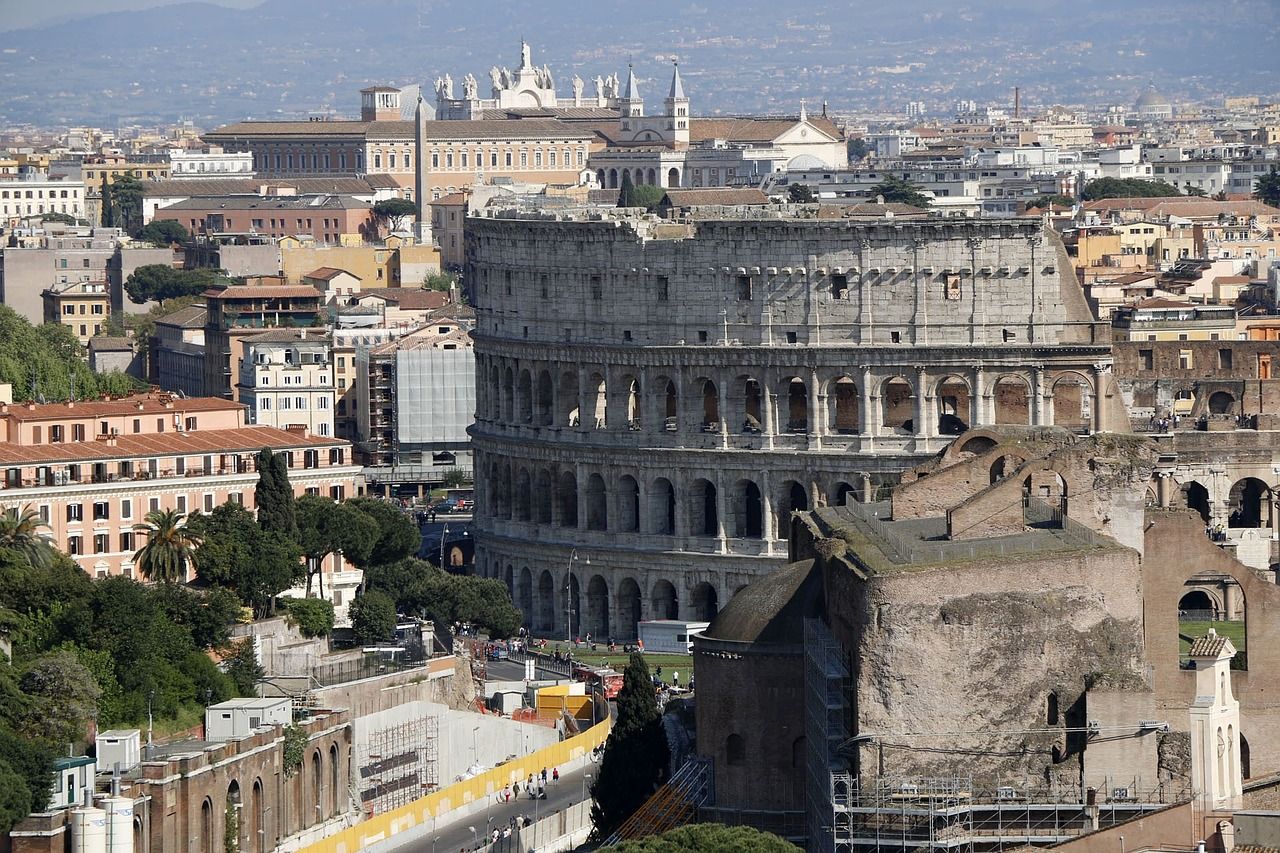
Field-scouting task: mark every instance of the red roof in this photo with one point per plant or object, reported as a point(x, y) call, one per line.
point(137, 404)
point(264, 291)
point(243, 440)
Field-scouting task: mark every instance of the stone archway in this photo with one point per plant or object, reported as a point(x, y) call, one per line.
point(664, 601)
point(629, 608)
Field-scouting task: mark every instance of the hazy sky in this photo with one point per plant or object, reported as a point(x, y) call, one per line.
point(16, 14)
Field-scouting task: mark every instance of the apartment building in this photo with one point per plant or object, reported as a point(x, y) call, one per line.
point(93, 470)
point(81, 306)
point(34, 194)
point(286, 380)
point(239, 312)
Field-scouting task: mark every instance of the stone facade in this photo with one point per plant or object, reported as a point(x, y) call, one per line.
point(637, 462)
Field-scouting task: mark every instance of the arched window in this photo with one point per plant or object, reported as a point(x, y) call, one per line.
point(735, 750)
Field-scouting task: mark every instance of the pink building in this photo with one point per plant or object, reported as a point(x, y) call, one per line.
point(94, 469)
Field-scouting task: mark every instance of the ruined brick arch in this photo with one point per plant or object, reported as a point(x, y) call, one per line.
point(843, 493)
point(1249, 503)
point(206, 826)
point(335, 774)
point(976, 442)
point(1222, 403)
point(1200, 597)
point(1196, 496)
point(316, 801)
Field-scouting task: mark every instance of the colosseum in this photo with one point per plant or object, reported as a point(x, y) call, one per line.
point(655, 397)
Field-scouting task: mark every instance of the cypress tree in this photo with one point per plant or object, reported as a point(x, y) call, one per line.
point(106, 201)
point(636, 755)
point(274, 496)
point(626, 195)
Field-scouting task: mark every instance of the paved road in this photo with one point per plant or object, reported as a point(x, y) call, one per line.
point(456, 835)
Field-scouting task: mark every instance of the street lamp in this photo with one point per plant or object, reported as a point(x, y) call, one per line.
point(443, 534)
point(568, 596)
point(475, 756)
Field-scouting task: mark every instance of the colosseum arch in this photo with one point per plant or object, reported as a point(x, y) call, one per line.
point(1249, 504)
point(567, 405)
point(662, 507)
point(842, 397)
point(703, 512)
point(710, 395)
point(664, 602)
point(629, 608)
point(544, 400)
point(843, 493)
point(597, 616)
point(628, 504)
point(258, 815)
point(524, 595)
point(574, 605)
point(546, 604)
point(794, 394)
point(597, 503)
point(613, 179)
point(540, 500)
point(897, 401)
point(1012, 398)
point(597, 402)
point(747, 509)
point(567, 499)
point(632, 401)
point(667, 398)
point(206, 825)
point(522, 495)
point(508, 393)
point(747, 398)
point(955, 405)
point(1072, 395)
point(793, 498)
point(1222, 403)
point(494, 393)
point(706, 603)
point(508, 578)
point(1197, 498)
point(524, 398)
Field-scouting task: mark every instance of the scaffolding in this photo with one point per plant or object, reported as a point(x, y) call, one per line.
point(399, 764)
point(951, 815)
point(825, 688)
point(674, 804)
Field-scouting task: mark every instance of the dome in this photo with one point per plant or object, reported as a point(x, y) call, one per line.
point(1151, 99)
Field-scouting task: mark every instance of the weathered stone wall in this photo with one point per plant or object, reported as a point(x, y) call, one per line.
point(980, 648)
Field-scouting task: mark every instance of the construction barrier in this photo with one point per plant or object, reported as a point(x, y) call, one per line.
point(435, 805)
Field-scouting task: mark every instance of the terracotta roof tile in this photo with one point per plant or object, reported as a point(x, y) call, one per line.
point(1208, 646)
point(149, 403)
point(242, 440)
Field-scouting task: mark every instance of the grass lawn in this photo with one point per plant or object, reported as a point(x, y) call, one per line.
point(1190, 630)
point(682, 664)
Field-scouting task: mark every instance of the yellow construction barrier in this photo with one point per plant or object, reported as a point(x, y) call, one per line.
point(551, 702)
point(487, 784)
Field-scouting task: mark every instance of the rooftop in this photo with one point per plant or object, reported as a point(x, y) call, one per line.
point(249, 439)
point(149, 403)
point(527, 128)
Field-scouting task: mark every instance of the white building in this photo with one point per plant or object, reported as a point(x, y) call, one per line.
point(286, 380)
point(35, 193)
point(210, 162)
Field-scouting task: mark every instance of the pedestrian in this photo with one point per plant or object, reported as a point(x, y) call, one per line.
point(515, 787)
point(528, 786)
point(544, 775)
point(555, 775)
point(675, 678)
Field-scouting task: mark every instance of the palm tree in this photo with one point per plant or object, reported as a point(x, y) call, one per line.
point(21, 531)
point(170, 550)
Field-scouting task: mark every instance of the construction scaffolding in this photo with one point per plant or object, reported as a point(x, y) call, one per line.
point(952, 815)
point(399, 764)
point(825, 689)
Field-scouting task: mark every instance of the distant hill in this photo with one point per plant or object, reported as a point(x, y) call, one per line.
point(291, 58)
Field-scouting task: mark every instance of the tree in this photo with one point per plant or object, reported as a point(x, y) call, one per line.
point(899, 191)
point(709, 838)
point(442, 282)
point(242, 667)
point(64, 218)
point(15, 798)
point(170, 552)
point(373, 618)
point(626, 191)
point(1101, 188)
point(237, 552)
point(857, 148)
point(1042, 202)
point(159, 282)
point(274, 496)
point(125, 202)
point(21, 530)
point(163, 232)
point(1198, 192)
point(635, 756)
point(1266, 189)
point(45, 362)
point(108, 206)
point(63, 698)
point(420, 588)
point(801, 194)
point(398, 536)
point(326, 527)
point(313, 617)
point(392, 213)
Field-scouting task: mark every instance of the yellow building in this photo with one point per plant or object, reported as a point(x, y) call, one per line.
point(395, 263)
point(1159, 319)
point(81, 306)
point(94, 170)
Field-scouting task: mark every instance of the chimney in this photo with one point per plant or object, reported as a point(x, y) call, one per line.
point(1017, 100)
